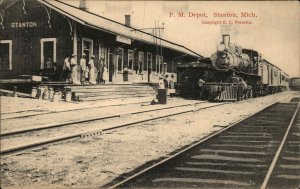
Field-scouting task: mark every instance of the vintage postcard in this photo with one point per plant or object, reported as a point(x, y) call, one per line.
point(149, 94)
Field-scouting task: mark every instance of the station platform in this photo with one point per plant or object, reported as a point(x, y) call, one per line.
point(89, 92)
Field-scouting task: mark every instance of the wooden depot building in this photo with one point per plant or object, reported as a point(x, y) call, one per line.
point(33, 31)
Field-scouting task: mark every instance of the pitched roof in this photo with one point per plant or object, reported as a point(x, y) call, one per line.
point(111, 26)
point(6, 4)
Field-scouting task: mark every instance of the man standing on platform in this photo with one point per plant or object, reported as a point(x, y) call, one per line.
point(66, 76)
point(200, 89)
point(172, 86)
point(74, 69)
point(166, 81)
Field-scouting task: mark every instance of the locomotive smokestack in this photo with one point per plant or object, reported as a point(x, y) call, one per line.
point(226, 40)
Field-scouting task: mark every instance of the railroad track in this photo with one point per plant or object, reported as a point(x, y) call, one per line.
point(94, 118)
point(286, 171)
point(37, 112)
point(243, 155)
point(53, 133)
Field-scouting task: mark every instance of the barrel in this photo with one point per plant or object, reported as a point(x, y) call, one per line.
point(33, 92)
point(40, 92)
point(68, 95)
point(56, 96)
point(162, 96)
point(50, 93)
point(46, 93)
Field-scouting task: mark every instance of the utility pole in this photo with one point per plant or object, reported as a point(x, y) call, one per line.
point(156, 32)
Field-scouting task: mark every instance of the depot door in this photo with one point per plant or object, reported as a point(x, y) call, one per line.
point(48, 52)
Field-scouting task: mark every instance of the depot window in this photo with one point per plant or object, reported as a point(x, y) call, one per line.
point(120, 59)
point(141, 62)
point(102, 53)
point(130, 59)
point(159, 63)
point(87, 48)
point(5, 54)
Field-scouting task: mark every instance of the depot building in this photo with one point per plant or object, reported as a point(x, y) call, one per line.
point(33, 31)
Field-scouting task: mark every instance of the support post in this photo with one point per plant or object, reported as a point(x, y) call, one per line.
point(15, 92)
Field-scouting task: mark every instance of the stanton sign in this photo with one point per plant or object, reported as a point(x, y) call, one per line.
point(24, 24)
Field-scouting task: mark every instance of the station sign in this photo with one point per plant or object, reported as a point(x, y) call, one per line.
point(123, 39)
point(24, 25)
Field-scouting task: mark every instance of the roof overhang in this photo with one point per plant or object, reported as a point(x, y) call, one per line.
point(104, 24)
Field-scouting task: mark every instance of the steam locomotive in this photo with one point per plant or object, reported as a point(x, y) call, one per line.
point(232, 73)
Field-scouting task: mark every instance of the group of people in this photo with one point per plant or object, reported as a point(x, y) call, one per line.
point(89, 72)
point(167, 83)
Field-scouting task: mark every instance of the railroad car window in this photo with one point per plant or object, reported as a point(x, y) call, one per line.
point(5, 54)
point(271, 76)
point(280, 78)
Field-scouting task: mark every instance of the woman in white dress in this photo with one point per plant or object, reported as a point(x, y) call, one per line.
point(92, 70)
point(105, 74)
point(74, 69)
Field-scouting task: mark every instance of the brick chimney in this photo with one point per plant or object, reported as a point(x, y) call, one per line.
point(127, 20)
point(82, 5)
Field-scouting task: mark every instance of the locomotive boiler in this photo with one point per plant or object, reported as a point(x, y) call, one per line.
point(230, 57)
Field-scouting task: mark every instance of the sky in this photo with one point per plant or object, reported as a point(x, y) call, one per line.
point(274, 29)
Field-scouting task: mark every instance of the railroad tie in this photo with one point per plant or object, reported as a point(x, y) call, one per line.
point(91, 134)
point(125, 115)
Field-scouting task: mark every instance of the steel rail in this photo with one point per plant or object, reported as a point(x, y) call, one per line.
point(193, 145)
point(49, 126)
point(272, 166)
point(54, 112)
point(42, 143)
